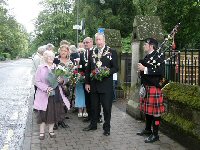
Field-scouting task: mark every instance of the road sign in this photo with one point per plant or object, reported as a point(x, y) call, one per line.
point(77, 27)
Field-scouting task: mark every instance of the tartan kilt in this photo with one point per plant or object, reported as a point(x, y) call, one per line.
point(152, 104)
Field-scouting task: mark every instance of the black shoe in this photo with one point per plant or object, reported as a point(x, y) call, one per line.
point(62, 124)
point(55, 127)
point(100, 120)
point(106, 133)
point(89, 128)
point(86, 119)
point(66, 117)
point(144, 132)
point(152, 138)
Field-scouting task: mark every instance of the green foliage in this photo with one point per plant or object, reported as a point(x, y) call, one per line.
point(188, 95)
point(6, 55)
point(188, 13)
point(54, 24)
point(13, 37)
point(185, 125)
point(126, 44)
point(114, 14)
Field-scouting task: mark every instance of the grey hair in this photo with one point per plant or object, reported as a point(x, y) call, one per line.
point(73, 49)
point(41, 49)
point(99, 34)
point(46, 54)
point(81, 50)
point(88, 38)
point(49, 45)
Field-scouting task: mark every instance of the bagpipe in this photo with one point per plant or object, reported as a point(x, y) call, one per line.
point(158, 58)
point(161, 50)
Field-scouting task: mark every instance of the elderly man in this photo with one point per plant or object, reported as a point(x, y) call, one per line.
point(101, 91)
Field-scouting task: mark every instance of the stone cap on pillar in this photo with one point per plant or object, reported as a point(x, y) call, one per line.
point(147, 26)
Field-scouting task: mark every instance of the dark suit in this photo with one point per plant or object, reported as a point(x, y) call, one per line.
point(101, 91)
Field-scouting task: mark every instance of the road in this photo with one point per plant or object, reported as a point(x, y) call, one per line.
point(15, 92)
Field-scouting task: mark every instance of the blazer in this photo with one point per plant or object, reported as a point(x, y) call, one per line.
point(155, 74)
point(110, 61)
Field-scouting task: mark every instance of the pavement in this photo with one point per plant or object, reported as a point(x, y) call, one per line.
point(123, 135)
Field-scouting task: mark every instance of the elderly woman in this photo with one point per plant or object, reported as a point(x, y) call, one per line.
point(44, 103)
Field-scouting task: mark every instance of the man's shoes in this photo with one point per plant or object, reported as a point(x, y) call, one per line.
point(144, 132)
point(55, 127)
point(106, 133)
point(86, 119)
point(152, 138)
point(62, 124)
point(66, 117)
point(100, 120)
point(89, 128)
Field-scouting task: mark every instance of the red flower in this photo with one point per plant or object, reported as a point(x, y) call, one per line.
point(82, 73)
point(75, 71)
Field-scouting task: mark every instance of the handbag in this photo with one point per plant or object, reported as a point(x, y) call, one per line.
point(142, 91)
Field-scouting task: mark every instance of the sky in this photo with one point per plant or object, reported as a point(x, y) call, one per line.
point(25, 11)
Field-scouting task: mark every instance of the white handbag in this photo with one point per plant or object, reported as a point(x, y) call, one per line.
point(142, 91)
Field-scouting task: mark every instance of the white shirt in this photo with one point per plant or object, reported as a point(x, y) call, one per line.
point(115, 76)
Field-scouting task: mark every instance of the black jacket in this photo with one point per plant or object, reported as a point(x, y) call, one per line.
point(155, 71)
point(110, 61)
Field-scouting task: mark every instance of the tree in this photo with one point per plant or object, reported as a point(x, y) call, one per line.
point(188, 13)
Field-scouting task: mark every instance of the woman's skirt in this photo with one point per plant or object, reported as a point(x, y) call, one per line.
point(79, 96)
point(152, 104)
point(55, 110)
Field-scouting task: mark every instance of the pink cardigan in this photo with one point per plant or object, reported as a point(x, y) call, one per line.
point(41, 96)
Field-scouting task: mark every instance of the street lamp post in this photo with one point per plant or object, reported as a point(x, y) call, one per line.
point(77, 20)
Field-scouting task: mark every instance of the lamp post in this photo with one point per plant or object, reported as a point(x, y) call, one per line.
point(77, 20)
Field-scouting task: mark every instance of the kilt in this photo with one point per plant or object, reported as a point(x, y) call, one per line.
point(152, 104)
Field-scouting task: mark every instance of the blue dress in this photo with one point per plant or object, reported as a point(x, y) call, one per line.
point(80, 96)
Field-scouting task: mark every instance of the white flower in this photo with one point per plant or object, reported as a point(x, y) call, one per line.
point(151, 58)
point(158, 64)
point(61, 67)
point(154, 61)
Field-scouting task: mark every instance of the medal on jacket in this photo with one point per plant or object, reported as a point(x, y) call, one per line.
point(99, 63)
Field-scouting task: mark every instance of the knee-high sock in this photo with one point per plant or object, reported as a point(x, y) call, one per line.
point(42, 127)
point(149, 119)
point(156, 124)
point(51, 127)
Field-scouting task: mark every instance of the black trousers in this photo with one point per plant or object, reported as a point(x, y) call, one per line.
point(106, 101)
point(88, 104)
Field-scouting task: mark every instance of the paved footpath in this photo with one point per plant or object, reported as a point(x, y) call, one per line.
point(123, 135)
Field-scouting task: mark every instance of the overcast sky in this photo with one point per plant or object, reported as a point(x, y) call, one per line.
point(25, 11)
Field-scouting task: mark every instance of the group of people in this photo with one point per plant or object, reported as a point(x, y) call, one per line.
point(89, 96)
point(94, 94)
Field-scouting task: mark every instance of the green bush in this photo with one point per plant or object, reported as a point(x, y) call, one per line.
point(6, 55)
point(2, 58)
point(188, 95)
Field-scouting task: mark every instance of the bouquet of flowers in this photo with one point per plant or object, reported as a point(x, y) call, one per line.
point(100, 73)
point(52, 78)
point(78, 77)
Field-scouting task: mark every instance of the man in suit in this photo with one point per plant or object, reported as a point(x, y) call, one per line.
point(151, 69)
point(101, 91)
point(88, 45)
